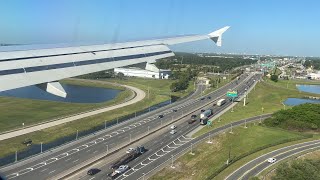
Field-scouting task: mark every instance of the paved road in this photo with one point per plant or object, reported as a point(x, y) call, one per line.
point(256, 166)
point(162, 147)
point(53, 163)
point(139, 96)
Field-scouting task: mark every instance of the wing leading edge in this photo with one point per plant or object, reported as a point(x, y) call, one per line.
point(44, 67)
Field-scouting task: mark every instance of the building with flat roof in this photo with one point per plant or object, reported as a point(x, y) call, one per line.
point(150, 71)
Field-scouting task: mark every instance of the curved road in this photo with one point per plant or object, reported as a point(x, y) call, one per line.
point(139, 96)
point(259, 164)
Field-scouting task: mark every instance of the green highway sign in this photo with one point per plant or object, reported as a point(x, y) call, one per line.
point(232, 94)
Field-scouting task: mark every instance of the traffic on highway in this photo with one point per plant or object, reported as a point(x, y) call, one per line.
point(109, 143)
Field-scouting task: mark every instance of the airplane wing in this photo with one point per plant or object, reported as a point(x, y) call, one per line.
point(44, 67)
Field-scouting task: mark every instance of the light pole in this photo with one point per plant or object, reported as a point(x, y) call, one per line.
point(41, 147)
point(231, 132)
point(245, 124)
point(172, 162)
point(105, 124)
point(191, 150)
point(77, 134)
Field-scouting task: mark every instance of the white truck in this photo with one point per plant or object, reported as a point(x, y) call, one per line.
point(221, 102)
point(207, 113)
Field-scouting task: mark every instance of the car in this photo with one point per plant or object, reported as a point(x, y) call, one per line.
point(173, 127)
point(202, 98)
point(271, 160)
point(160, 116)
point(209, 97)
point(214, 104)
point(193, 116)
point(203, 110)
point(93, 171)
point(191, 121)
point(122, 169)
point(174, 110)
point(130, 150)
point(173, 131)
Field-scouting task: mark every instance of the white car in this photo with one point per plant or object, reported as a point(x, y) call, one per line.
point(173, 127)
point(173, 131)
point(122, 169)
point(271, 160)
point(130, 150)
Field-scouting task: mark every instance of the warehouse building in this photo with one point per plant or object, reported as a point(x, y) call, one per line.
point(150, 71)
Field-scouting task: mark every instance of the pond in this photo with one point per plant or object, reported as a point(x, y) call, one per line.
point(309, 88)
point(298, 101)
point(75, 94)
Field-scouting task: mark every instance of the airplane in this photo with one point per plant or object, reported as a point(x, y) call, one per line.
point(45, 67)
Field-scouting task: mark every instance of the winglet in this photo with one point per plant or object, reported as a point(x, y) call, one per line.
point(216, 36)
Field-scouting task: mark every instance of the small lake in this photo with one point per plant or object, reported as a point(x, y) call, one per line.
point(298, 101)
point(309, 88)
point(75, 94)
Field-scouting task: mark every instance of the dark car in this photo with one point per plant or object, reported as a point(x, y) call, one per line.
point(209, 97)
point(191, 121)
point(160, 116)
point(193, 116)
point(174, 110)
point(203, 110)
point(93, 171)
point(214, 104)
point(202, 98)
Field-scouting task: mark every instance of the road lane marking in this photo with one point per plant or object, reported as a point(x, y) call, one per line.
point(68, 159)
point(75, 161)
point(52, 171)
point(44, 170)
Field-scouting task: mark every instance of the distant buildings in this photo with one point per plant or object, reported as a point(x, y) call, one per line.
point(150, 71)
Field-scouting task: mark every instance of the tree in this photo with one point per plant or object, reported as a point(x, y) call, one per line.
point(120, 75)
point(274, 78)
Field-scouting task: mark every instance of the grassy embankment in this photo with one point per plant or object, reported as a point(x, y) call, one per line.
point(265, 95)
point(159, 92)
point(209, 158)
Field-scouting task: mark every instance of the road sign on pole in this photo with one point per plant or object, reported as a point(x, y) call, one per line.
point(232, 94)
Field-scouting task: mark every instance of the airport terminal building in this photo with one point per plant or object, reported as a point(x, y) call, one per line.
point(150, 71)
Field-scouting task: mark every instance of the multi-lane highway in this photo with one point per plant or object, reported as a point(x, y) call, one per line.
point(52, 164)
point(259, 164)
point(162, 147)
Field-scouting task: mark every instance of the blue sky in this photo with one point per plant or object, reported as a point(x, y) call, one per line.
point(285, 27)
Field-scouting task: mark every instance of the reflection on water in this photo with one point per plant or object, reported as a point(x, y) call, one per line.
point(298, 101)
point(76, 94)
point(309, 88)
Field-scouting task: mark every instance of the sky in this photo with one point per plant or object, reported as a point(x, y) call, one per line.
point(272, 27)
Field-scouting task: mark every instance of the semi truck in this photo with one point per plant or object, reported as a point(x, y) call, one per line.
point(221, 102)
point(207, 113)
point(128, 157)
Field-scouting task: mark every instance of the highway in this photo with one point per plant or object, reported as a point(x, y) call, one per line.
point(162, 147)
point(52, 164)
point(259, 164)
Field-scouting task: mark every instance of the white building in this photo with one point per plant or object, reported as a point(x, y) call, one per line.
point(315, 76)
point(150, 71)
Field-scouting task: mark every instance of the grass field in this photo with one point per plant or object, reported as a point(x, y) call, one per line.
point(15, 111)
point(159, 92)
point(265, 98)
point(209, 158)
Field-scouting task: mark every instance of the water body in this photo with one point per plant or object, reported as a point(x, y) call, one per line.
point(309, 88)
point(298, 101)
point(75, 94)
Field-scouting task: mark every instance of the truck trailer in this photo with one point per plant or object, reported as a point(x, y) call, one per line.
point(207, 113)
point(221, 102)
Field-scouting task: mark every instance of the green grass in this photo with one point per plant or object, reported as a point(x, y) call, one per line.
point(209, 158)
point(266, 96)
point(15, 111)
point(159, 92)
